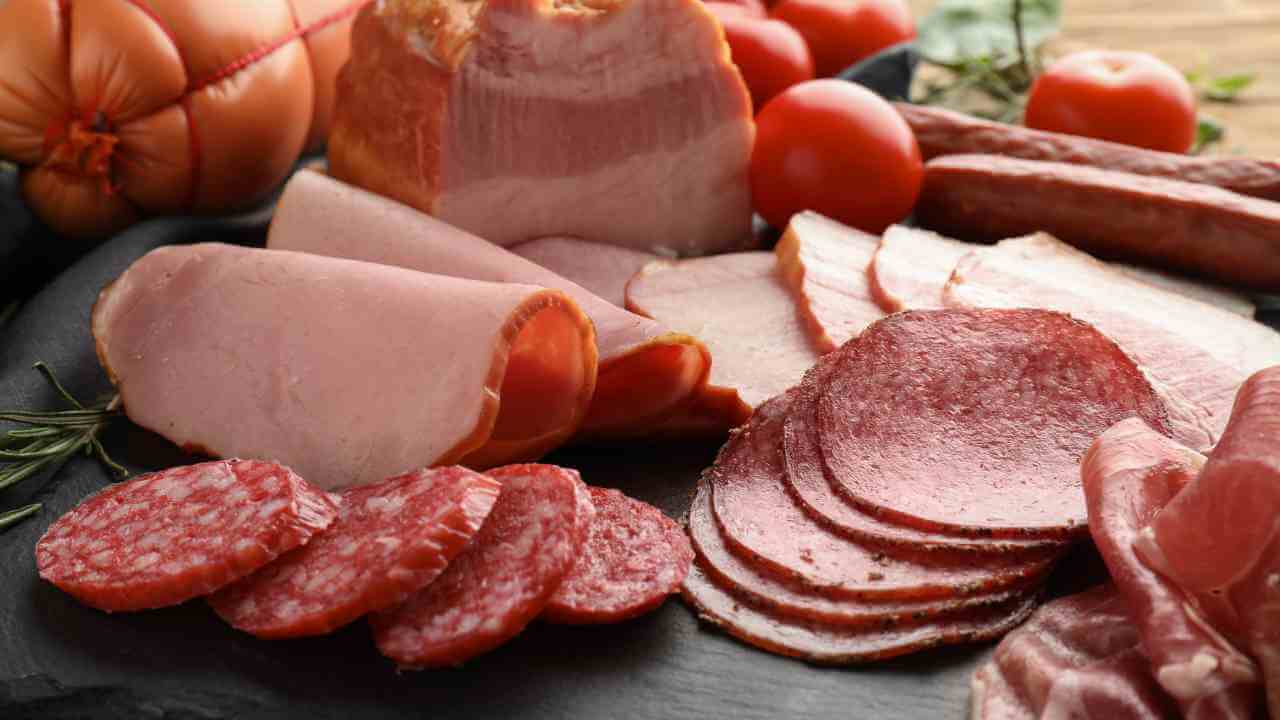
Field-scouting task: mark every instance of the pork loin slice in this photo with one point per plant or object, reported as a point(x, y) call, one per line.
point(762, 525)
point(645, 369)
point(349, 372)
point(1077, 657)
point(617, 121)
point(1219, 539)
point(824, 263)
point(1195, 353)
point(603, 270)
point(1130, 474)
point(739, 306)
point(911, 267)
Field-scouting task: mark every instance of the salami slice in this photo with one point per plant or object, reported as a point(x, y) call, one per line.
point(807, 481)
point(973, 422)
point(490, 592)
point(391, 539)
point(164, 538)
point(634, 557)
point(761, 524)
point(777, 597)
point(829, 645)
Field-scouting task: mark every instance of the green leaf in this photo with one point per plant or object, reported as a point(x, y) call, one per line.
point(13, 517)
point(962, 31)
point(1208, 132)
point(1226, 87)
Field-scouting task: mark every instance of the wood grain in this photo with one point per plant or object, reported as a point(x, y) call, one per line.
point(1224, 36)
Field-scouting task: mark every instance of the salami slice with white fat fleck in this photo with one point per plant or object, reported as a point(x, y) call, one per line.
point(491, 591)
point(167, 537)
point(973, 422)
point(634, 557)
point(391, 539)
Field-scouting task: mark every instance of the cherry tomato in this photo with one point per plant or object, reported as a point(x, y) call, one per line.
point(842, 32)
point(752, 8)
point(770, 54)
point(839, 149)
point(1126, 97)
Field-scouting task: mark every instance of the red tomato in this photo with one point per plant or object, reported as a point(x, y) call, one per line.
point(839, 149)
point(1126, 97)
point(770, 54)
point(842, 32)
point(753, 8)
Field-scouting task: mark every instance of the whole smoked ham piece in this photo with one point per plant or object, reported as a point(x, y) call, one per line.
point(616, 121)
point(645, 369)
point(349, 372)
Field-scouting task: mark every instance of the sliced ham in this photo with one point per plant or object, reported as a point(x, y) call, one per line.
point(602, 269)
point(1196, 354)
point(973, 422)
point(1077, 657)
point(739, 306)
point(1130, 474)
point(645, 369)
point(824, 263)
point(349, 372)
point(1219, 539)
point(911, 267)
point(1218, 295)
point(616, 121)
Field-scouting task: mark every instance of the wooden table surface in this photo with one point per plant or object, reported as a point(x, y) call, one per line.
point(1225, 36)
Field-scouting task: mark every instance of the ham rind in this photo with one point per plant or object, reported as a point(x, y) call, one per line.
point(616, 121)
point(645, 369)
point(1196, 354)
point(973, 422)
point(1076, 657)
point(603, 270)
point(1129, 475)
point(762, 525)
point(809, 485)
point(911, 267)
point(1219, 539)
point(827, 645)
point(739, 306)
point(349, 372)
point(824, 263)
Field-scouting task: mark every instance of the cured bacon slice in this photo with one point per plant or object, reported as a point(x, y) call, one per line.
point(1076, 657)
point(1196, 354)
point(350, 372)
point(1219, 539)
point(824, 263)
point(645, 369)
point(973, 422)
point(911, 267)
point(1130, 473)
point(616, 121)
point(603, 270)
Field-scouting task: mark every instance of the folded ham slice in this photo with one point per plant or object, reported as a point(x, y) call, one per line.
point(645, 369)
point(348, 372)
point(602, 269)
point(617, 121)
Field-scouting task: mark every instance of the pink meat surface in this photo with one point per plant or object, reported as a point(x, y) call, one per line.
point(824, 264)
point(739, 306)
point(1195, 353)
point(1130, 474)
point(911, 267)
point(645, 369)
point(349, 372)
point(604, 270)
point(1219, 539)
point(1077, 657)
point(616, 121)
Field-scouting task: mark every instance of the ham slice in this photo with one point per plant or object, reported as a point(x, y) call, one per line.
point(645, 369)
point(348, 372)
point(824, 263)
point(617, 121)
point(603, 270)
point(739, 306)
point(1219, 539)
point(1218, 295)
point(1196, 353)
point(1130, 474)
point(911, 267)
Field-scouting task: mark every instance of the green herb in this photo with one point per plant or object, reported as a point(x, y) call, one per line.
point(1208, 133)
point(1220, 88)
point(46, 440)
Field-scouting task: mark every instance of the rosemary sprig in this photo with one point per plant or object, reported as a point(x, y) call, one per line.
point(48, 439)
